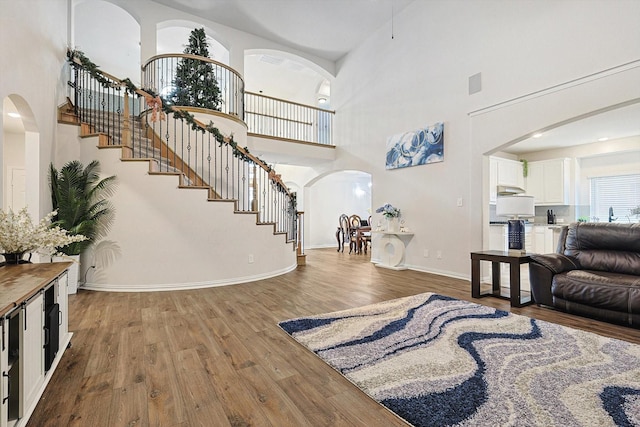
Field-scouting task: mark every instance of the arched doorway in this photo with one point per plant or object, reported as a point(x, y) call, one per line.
point(22, 172)
point(330, 195)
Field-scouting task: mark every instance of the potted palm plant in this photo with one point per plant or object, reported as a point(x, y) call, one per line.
point(80, 197)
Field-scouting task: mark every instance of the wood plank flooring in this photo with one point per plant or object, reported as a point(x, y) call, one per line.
point(216, 357)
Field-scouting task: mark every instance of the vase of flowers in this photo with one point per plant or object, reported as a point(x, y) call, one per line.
point(391, 214)
point(19, 235)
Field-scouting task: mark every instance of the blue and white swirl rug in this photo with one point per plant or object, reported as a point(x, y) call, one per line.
point(439, 361)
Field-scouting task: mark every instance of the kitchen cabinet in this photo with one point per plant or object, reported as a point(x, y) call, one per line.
point(504, 172)
point(34, 324)
point(545, 238)
point(548, 182)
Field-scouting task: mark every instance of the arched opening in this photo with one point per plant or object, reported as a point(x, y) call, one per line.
point(13, 161)
point(114, 48)
point(173, 36)
point(22, 172)
point(285, 76)
point(330, 195)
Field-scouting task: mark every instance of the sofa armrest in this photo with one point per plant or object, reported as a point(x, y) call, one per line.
point(556, 263)
point(542, 268)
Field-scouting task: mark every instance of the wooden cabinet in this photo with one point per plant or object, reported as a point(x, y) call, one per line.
point(504, 172)
point(34, 324)
point(548, 182)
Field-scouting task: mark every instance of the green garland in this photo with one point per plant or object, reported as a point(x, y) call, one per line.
point(242, 154)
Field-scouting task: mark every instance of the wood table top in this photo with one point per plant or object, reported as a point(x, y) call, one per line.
point(18, 283)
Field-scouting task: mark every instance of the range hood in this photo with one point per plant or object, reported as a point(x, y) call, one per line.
point(508, 190)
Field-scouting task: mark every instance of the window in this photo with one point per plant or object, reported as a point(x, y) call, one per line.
point(615, 198)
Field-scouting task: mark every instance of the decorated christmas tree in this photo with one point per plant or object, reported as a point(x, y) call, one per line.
point(195, 84)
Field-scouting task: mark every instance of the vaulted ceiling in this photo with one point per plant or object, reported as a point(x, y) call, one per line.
point(328, 29)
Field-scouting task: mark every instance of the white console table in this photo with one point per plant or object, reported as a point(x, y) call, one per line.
point(389, 249)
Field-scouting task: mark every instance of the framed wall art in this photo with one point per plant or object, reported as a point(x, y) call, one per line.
point(417, 147)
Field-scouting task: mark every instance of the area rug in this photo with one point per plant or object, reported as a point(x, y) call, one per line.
point(438, 361)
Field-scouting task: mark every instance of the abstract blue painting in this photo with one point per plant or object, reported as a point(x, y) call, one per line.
point(416, 147)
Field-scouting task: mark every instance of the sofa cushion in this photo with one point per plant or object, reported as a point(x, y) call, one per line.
point(605, 247)
point(611, 291)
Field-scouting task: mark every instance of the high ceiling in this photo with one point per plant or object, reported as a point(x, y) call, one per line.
point(328, 29)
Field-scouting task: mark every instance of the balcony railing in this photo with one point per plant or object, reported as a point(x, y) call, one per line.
point(159, 74)
point(278, 118)
point(263, 115)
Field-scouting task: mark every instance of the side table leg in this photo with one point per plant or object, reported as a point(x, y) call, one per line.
point(495, 277)
point(475, 278)
point(514, 278)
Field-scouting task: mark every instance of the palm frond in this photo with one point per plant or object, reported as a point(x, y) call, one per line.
point(80, 196)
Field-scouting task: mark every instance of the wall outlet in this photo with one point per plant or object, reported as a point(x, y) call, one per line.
point(426, 253)
point(439, 254)
point(459, 202)
point(250, 258)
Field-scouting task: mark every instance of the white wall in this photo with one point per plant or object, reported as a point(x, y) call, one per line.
point(32, 57)
point(421, 76)
point(165, 237)
point(114, 48)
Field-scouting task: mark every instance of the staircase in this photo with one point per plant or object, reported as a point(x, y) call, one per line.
point(109, 126)
point(203, 160)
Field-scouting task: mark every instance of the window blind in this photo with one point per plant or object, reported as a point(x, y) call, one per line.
point(620, 193)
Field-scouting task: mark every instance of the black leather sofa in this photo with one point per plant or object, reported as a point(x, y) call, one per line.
point(595, 272)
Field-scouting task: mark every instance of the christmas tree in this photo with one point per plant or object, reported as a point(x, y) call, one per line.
point(195, 84)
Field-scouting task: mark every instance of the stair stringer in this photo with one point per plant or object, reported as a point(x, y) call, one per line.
point(169, 238)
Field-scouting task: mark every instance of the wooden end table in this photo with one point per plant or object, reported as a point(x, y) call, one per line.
point(514, 259)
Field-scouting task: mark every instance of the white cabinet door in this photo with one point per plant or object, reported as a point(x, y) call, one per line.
point(498, 237)
point(63, 301)
point(493, 180)
point(556, 183)
point(539, 239)
point(32, 354)
point(535, 182)
point(548, 182)
point(510, 173)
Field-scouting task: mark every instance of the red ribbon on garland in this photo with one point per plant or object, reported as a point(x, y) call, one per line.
point(155, 104)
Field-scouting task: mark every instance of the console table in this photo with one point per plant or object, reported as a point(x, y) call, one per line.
point(34, 324)
point(514, 259)
point(390, 247)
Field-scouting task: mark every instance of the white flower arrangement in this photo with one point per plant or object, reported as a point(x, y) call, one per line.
point(19, 235)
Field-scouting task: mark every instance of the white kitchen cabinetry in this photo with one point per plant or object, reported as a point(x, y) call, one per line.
point(548, 182)
point(504, 172)
point(34, 323)
point(545, 238)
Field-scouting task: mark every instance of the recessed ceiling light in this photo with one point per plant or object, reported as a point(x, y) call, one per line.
point(322, 100)
point(604, 138)
point(14, 115)
point(537, 135)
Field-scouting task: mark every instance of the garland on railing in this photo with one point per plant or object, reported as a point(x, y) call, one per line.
point(240, 153)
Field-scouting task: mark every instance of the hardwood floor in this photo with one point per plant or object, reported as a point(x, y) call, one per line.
point(216, 357)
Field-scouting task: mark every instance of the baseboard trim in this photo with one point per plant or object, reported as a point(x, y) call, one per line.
point(439, 272)
point(105, 287)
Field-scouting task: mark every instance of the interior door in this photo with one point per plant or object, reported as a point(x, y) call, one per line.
point(17, 189)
